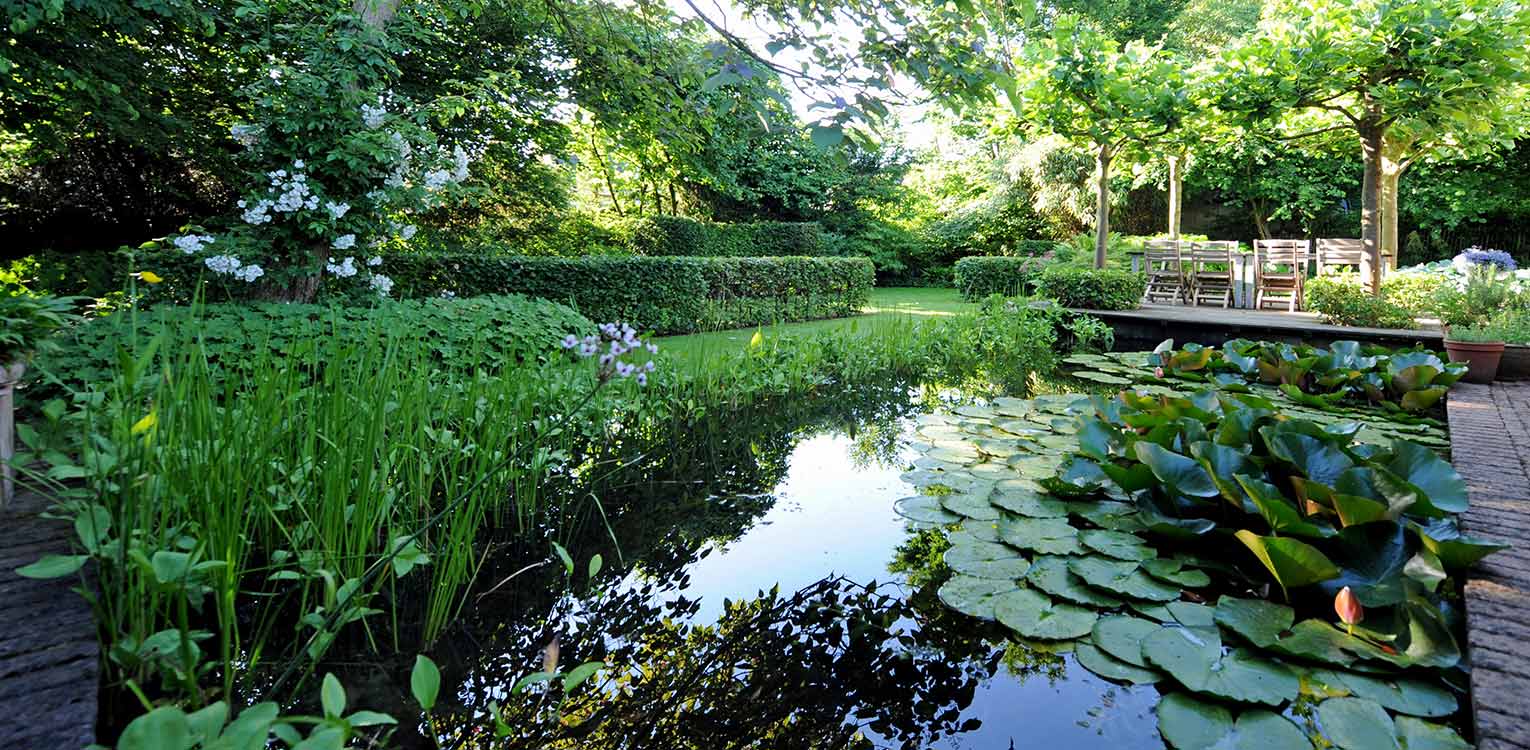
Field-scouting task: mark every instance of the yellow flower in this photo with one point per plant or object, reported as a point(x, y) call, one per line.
point(145, 424)
point(150, 277)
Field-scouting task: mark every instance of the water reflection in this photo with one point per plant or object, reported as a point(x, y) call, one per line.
point(739, 611)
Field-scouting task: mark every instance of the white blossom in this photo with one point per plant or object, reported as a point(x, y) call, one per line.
point(192, 243)
point(437, 179)
point(344, 242)
point(224, 264)
point(374, 261)
point(249, 273)
point(336, 210)
point(246, 135)
point(344, 269)
point(373, 116)
point(408, 232)
point(258, 213)
point(382, 284)
point(459, 164)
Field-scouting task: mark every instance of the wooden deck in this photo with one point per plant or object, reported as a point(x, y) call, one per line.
point(1490, 446)
point(48, 649)
point(1150, 324)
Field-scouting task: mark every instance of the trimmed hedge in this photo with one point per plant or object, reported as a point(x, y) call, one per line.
point(1092, 288)
point(663, 295)
point(490, 332)
point(680, 236)
point(1342, 301)
point(978, 276)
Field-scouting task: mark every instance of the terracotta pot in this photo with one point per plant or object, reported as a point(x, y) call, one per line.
point(1481, 358)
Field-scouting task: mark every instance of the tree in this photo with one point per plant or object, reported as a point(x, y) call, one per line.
point(1373, 63)
point(1083, 86)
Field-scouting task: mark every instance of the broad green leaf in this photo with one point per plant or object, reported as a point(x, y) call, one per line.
point(1443, 539)
point(1119, 545)
point(1258, 621)
point(425, 682)
point(1122, 577)
point(1029, 503)
point(1357, 724)
point(1293, 563)
point(1194, 657)
point(986, 559)
point(332, 696)
point(53, 566)
point(1179, 473)
point(973, 596)
point(164, 728)
point(1090, 657)
point(925, 509)
point(1174, 571)
point(1050, 574)
point(1121, 637)
point(579, 674)
point(1278, 512)
point(1188, 723)
point(975, 506)
point(1403, 695)
point(1036, 615)
point(1052, 536)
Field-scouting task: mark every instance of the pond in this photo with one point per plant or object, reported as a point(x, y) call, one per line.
point(779, 578)
point(854, 650)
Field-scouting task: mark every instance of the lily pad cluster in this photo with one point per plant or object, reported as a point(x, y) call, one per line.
point(1096, 525)
point(1408, 380)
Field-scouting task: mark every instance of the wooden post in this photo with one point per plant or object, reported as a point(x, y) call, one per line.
point(9, 377)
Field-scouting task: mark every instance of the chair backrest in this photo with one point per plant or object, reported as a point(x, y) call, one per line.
point(1332, 253)
point(1215, 251)
point(1163, 254)
point(1293, 253)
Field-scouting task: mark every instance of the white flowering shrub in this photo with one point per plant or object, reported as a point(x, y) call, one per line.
point(339, 161)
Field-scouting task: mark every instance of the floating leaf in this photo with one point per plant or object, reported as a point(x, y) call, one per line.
point(973, 596)
point(1179, 473)
point(1121, 636)
point(1190, 724)
point(1029, 503)
point(1052, 536)
point(1050, 574)
point(1405, 696)
point(1292, 562)
point(1173, 571)
point(1194, 657)
point(970, 506)
point(1090, 657)
point(1121, 577)
point(986, 560)
point(1258, 621)
point(1036, 615)
point(1121, 546)
point(925, 509)
point(1443, 539)
point(1192, 615)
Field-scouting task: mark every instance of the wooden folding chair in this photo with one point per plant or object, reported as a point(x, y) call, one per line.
point(1165, 272)
point(1339, 255)
point(1211, 272)
point(1280, 272)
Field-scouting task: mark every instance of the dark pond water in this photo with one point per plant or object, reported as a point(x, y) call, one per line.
point(758, 591)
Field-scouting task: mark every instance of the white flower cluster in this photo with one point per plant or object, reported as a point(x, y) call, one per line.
point(336, 210)
point(344, 242)
point(374, 261)
point(459, 164)
point(291, 193)
point(344, 269)
point(381, 284)
point(617, 341)
point(246, 135)
point(373, 116)
point(229, 265)
point(191, 244)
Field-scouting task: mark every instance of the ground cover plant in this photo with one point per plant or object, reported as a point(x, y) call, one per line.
point(1101, 525)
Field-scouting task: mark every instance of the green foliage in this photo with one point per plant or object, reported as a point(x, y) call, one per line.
point(26, 322)
point(664, 294)
point(489, 331)
point(1414, 292)
point(1091, 288)
point(977, 277)
point(1483, 293)
point(678, 235)
point(1343, 300)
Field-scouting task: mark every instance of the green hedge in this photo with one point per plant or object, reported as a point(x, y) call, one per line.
point(489, 332)
point(1343, 301)
point(680, 236)
point(1092, 288)
point(978, 276)
point(664, 295)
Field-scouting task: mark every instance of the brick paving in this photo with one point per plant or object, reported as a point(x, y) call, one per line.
point(48, 648)
point(1490, 446)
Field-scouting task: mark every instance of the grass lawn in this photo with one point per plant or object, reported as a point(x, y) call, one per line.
point(887, 304)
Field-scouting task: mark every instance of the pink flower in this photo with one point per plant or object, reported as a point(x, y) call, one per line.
point(1348, 607)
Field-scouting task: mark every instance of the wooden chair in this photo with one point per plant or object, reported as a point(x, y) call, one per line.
point(1165, 272)
point(1211, 272)
point(1280, 270)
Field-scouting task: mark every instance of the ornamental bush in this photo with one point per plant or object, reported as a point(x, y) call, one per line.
point(1092, 288)
point(678, 235)
point(979, 276)
point(486, 332)
point(663, 295)
point(1342, 300)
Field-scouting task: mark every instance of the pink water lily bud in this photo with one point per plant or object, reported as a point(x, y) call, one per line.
point(1348, 607)
point(1158, 372)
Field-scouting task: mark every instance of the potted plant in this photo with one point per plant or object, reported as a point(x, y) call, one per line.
point(1480, 347)
point(25, 322)
point(1468, 308)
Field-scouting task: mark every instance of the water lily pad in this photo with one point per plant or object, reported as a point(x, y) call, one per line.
point(1108, 514)
point(1121, 636)
point(1192, 615)
point(1320, 641)
point(986, 560)
point(1292, 562)
point(926, 509)
point(1036, 615)
point(1152, 610)
point(991, 471)
point(1029, 503)
point(1258, 621)
point(1090, 657)
point(1122, 577)
point(971, 506)
point(1405, 696)
point(973, 596)
point(1052, 536)
point(1188, 723)
point(1050, 574)
point(1119, 545)
point(983, 531)
point(1194, 657)
point(1174, 571)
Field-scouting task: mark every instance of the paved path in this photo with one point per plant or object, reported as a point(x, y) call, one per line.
point(48, 649)
point(1490, 446)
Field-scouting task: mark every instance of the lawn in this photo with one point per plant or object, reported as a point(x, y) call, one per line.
point(887, 304)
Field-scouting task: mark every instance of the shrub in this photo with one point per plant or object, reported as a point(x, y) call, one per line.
point(1482, 293)
point(1092, 288)
point(488, 332)
point(1342, 300)
point(981, 275)
point(665, 295)
point(1414, 292)
point(678, 235)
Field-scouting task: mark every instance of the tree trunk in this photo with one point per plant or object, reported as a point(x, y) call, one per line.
point(376, 13)
point(1394, 161)
point(1176, 194)
point(605, 171)
point(1102, 209)
point(1371, 136)
point(1261, 224)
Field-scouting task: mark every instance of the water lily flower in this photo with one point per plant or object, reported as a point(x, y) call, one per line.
point(1348, 607)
